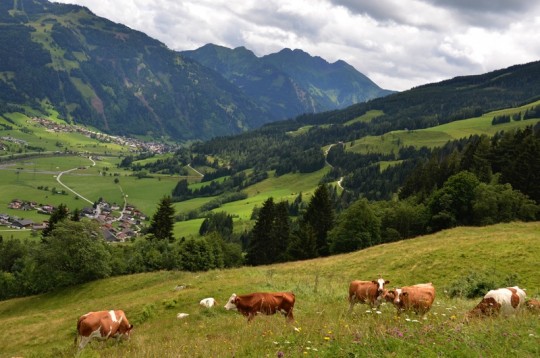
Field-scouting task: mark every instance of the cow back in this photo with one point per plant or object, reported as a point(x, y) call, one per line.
point(362, 291)
point(418, 298)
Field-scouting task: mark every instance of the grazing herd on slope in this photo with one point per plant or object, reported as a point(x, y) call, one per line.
point(416, 298)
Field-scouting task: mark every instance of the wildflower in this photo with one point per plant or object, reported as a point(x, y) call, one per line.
point(280, 354)
point(453, 317)
point(378, 312)
point(326, 338)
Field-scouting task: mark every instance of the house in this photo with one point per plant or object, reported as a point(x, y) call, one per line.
point(22, 223)
point(109, 236)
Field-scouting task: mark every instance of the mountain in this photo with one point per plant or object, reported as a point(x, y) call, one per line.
point(58, 59)
point(290, 82)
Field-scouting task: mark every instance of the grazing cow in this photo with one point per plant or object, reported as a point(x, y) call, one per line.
point(263, 302)
point(505, 301)
point(417, 298)
point(208, 302)
point(370, 292)
point(102, 325)
point(533, 305)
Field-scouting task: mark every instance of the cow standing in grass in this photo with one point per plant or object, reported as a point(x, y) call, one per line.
point(370, 292)
point(102, 325)
point(263, 302)
point(417, 298)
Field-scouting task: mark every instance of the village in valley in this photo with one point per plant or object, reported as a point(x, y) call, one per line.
point(119, 224)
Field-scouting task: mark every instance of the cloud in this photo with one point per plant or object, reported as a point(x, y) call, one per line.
point(398, 44)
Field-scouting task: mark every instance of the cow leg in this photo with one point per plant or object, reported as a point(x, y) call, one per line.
point(290, 316)
point(352, 301)
point(251, 315)
point(84, 341)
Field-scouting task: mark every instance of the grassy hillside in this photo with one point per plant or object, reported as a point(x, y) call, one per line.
point(437, 136)
point(45, 325)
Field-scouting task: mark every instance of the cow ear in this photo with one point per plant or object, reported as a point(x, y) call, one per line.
point(386, 282)
point(404, 293)
point(375, 282)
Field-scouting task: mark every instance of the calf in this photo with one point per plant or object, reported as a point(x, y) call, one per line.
point(533, 305)
point(102, 325)
point(417, 298)
point(505, 301)
point(370, 292)
point(264, 302)
point(208, 302)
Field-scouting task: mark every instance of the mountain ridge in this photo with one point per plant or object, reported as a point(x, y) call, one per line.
point(65, 59)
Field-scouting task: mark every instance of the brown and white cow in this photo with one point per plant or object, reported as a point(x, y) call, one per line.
point(267, 303)
point(370, 292)
point(417, 298)
point(533, 305)
point(102, 325)
point(505, 301)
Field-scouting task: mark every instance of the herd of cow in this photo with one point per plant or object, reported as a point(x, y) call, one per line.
point(417, 298)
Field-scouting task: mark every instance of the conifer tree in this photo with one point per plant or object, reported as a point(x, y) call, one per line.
point(259, 251)
point(320, 217)
point(161, 226)
point(58, 214)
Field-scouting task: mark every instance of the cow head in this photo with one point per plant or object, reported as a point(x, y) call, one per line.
point(380, 285)
point(487, 307)
point(389, 295)
point(231, 303)
point(124, 329)
point(398, 296)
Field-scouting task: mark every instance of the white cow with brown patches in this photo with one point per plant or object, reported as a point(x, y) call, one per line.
point(504, 301)
point(102, 325)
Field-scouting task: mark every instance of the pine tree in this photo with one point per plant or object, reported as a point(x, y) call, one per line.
point(320, 217)
point(259, 251)
point(162, 224)
point(58, 214)
point(280, 232)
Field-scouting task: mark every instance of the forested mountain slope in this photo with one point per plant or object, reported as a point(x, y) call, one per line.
point(289, 83)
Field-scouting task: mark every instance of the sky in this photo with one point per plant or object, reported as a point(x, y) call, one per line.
point(398, 44)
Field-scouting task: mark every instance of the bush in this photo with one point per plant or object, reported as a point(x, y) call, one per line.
point(478, 284)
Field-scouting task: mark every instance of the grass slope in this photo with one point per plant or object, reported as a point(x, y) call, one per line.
point(44, 325)
point(437, 136)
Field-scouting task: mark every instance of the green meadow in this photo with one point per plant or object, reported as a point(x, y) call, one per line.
point(38, 136)
point(44, 325)
point(437, 136)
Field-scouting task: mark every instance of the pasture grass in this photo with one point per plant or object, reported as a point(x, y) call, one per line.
point(438, 136)
point(44, 325)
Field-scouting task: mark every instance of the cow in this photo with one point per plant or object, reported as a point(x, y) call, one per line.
point(267, 303)
point(505, 301)
point(370, 292)
point(417, 298)
point(208, 302)
point(102, 325)
point(533, 305)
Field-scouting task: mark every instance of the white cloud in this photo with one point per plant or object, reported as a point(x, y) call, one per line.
point(398, 44)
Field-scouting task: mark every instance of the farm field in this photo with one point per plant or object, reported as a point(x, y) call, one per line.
point(44, 325)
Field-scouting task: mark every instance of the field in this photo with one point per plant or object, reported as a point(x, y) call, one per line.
point(437, 136)
point(44, 326)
